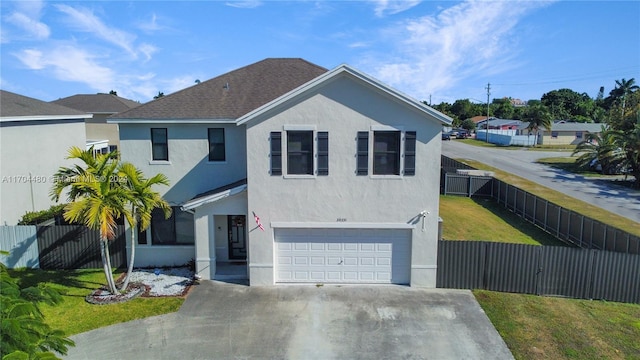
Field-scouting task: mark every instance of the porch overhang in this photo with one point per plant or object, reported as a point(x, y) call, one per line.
point(215, 195)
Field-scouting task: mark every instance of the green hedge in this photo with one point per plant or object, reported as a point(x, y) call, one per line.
point(37, 217)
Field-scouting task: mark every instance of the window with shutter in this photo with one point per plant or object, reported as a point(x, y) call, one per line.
point(276, 153)
point(363, 153)
point(410, 153)
point(323, 153)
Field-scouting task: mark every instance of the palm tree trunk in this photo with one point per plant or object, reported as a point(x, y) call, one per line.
point(132, 256)
point(106, 265)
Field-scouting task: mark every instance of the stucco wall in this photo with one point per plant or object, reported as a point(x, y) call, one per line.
point(33, 152)
point(188, 169)
point(563, 138)
point(343, 107)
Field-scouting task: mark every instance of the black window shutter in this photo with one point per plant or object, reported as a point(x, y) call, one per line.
point(276, 153)
point(410, 153)
point(323, 153)
point(363, 153)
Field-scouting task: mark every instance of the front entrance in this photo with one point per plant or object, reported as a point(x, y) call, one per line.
point(237, 238)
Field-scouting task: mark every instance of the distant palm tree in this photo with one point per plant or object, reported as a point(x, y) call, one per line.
point(600, 148)
point(629, 143)
point(538, 117)
point(624, 88)
point(144, 200)
point(96, 198)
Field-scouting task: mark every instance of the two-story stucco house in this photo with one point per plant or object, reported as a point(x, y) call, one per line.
point(299, 174)
point(35, 137)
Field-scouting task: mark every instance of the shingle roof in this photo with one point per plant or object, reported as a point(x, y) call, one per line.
point(97, 103)
point(12, 104)
point(230, 95)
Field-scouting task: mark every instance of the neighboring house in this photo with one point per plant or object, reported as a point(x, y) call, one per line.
point(104, 137)
point(562, 132)
point(35, 137)
point(302, 175)
point(499, 124)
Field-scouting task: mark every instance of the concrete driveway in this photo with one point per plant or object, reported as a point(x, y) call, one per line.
point(227, 321)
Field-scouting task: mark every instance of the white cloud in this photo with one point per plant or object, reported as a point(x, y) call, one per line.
point(244, 4)
point(433, 53)
point(147, 50)
point(150, 25)
point(27, 17)
point(383, 7)
point(69, 63)
point(85, 20)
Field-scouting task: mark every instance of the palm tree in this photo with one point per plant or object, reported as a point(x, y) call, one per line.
point(144, 200)
point(629, 144)
point(538, 117)
point(624, 88)
point(602, 148)
point(96, 198)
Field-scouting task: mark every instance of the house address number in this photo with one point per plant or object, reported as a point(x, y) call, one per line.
point(341, 219)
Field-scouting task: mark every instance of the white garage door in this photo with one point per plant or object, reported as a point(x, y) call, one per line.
point(342, 256)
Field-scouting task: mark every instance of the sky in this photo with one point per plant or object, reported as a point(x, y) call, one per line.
point(433, 51)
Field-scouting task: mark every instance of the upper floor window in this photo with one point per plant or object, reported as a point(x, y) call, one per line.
point(307, 152)
point(394, 152)
point(159, 144)
point(216, 145)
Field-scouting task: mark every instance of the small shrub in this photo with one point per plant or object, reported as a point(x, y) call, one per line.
point(38, 217)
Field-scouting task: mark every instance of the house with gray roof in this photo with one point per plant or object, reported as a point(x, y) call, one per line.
point(103, 136)
point(563, 132)
point(285, 172)
point(35, 137)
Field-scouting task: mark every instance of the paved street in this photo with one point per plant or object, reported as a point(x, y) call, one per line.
point(622, 201)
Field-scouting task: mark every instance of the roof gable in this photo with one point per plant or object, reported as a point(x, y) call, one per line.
point(230, 95)
point(97, 103)
point(339, 71)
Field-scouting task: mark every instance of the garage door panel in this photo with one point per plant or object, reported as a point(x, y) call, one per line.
point(343, 255)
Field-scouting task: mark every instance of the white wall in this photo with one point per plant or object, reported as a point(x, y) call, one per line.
point(30, 155)
point(344, 107)
point(189, 171)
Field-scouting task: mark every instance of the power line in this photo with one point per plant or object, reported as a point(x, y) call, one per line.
point(592, 76)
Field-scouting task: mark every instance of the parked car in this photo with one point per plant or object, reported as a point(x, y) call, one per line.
point(446, 136)
point(462, 134)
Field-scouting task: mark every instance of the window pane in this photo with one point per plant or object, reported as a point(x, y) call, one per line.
point(386, 153)
point(300, 152)
point(162, 230)
point(216, 145)
point(184, 227)
point(159, 145)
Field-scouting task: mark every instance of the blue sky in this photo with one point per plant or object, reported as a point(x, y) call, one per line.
point(438, 50)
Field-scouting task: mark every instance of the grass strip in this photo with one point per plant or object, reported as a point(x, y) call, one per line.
point(538, 327)
point(561, 199)
point(74, 315)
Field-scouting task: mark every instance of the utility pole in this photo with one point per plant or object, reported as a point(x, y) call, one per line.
point(488, 93)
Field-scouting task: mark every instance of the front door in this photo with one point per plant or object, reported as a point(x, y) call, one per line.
point(237, 239)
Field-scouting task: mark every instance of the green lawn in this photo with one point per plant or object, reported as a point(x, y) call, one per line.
point(536, 327)
point(74, 315)
point(484, 219)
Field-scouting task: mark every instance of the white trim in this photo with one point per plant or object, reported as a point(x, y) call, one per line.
point(339, 225)
point(424, 266)
point(171, 121)
point(195, 203)
point(344, 68)
point(261, 266)
point(44, 117)
point(299, 128)
point(159, 162)
point(387, 128)
point(206, 259)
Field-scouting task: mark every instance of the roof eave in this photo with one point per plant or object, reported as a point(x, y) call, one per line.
point(195, 203)
point(170, 121)
point(45, 117)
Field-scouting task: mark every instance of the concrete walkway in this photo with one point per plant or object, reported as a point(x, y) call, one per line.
point(227, 321)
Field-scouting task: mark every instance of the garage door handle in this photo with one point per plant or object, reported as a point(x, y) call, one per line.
point(341, 261)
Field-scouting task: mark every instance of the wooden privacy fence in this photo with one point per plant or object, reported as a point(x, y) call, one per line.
point(540, 270)
point(566, 225)
point(59, 247)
